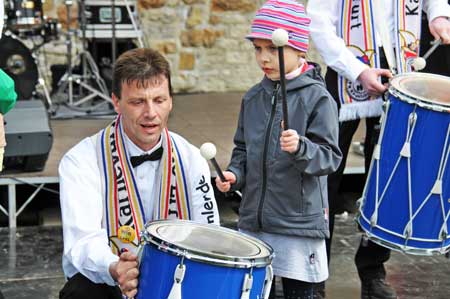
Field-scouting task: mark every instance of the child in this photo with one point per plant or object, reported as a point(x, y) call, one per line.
point(283, 173)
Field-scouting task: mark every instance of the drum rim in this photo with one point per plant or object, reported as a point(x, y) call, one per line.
point(400, 248)
point(406, 96)
point(200, 256)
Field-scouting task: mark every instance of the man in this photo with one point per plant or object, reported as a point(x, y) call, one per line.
point(132, 172)
point(348, 35)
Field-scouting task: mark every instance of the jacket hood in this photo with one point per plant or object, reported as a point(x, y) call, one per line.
point(310, 77)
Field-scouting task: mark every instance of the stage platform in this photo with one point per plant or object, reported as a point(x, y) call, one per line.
point(198, 117)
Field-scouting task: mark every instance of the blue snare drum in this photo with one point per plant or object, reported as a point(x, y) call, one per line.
point(406, 200)
point(186, 260)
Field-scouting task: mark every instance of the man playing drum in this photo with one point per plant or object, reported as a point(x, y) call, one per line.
point(349, 37)
point(132, 172)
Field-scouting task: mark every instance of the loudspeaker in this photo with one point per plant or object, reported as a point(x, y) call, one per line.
point(28, 136)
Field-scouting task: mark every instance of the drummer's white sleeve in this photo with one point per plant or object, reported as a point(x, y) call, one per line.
point(324, 16)
point(205, 208)
point(86, 247)
point(436, 8)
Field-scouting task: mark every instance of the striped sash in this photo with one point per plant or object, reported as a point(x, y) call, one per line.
point(357, 29)
point(124, 214)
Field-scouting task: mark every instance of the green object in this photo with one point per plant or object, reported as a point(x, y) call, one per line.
point(8, 95)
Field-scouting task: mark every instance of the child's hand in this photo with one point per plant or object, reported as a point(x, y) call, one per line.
point(289, 141)
point(226, 186)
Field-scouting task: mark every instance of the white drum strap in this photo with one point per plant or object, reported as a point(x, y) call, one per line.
point(437, 190)
point(442, 168)
point(404, 153)
point(268, 282)
point(247, 285)
point(376, 157)
point(376, 154)
point(175, 292)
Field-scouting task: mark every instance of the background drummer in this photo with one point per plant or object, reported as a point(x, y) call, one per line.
point(110, 183)
point(358, 74)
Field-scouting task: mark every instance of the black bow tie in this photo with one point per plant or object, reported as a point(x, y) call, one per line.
point(155, 156)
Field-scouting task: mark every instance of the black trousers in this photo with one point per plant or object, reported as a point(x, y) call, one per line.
point(80, 287)
point(294, 289)
point(439, 60)
point(370, 257)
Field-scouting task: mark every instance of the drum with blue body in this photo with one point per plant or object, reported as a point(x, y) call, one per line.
point(186, 260)
point(406, 200)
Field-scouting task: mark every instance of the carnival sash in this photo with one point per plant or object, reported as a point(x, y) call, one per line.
point(357, 29)
point(124, 216)
point(408, 27)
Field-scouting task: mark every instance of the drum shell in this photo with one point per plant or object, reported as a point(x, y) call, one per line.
point(20, 64)
point(201, 280)
point(428, 147)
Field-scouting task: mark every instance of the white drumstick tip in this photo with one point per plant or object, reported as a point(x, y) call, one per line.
point(208, 150)
point(419, 64)
point(280, 37)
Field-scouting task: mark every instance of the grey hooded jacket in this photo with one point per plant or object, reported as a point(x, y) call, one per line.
point(286, 193)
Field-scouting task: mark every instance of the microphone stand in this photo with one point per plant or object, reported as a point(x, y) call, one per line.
point(113, 39)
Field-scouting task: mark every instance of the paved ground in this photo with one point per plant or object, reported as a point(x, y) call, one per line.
point(30, 260)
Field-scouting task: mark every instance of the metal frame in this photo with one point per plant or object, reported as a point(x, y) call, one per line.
point(11, 182)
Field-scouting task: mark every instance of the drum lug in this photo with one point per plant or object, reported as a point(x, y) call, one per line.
point(268, 282)
point(437, 188)
point(374, 219)
point(377, 152)
point(406, 150)
point(247, 286)
point(175, 292)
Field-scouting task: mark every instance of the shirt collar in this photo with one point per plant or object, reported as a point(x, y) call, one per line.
point(134, 150)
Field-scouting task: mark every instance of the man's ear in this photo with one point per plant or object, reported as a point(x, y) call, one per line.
point(115, 101)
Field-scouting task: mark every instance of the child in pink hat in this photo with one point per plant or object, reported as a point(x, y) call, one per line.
point(283, 173)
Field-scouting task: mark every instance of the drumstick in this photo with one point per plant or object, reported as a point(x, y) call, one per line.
point(385, 36)
point(419, 63)
point(208, 151)
point(280, 38)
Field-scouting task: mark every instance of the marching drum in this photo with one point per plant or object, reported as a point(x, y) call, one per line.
point(406, 200)
point(183, 259)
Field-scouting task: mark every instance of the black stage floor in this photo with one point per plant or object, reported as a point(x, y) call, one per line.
point(30, 260)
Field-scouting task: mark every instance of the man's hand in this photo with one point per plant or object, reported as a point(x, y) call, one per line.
point(126, 272)
point(369, 80)
point(226, 186)
point(289, 141)
point(440, 29)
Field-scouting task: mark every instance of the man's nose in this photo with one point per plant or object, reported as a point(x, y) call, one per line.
point(149, 109)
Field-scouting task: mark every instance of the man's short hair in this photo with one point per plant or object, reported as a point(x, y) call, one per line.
point(142, 65)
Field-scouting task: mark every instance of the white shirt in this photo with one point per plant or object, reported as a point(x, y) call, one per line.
point(86, 247)
point(324, 16)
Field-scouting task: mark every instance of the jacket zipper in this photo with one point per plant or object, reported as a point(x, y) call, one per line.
point(264, 160)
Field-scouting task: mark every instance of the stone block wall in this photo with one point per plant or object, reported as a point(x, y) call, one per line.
point(203, 40)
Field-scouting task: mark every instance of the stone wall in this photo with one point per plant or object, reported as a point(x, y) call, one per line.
point(203, 40)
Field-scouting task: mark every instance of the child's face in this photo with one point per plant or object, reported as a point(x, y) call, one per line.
point(267, 58)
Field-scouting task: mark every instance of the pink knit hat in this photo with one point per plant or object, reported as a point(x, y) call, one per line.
point(285, 14)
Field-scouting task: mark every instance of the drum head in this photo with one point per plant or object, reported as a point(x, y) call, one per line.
point(16, 60)
point(432, 91)
point(209, 243)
